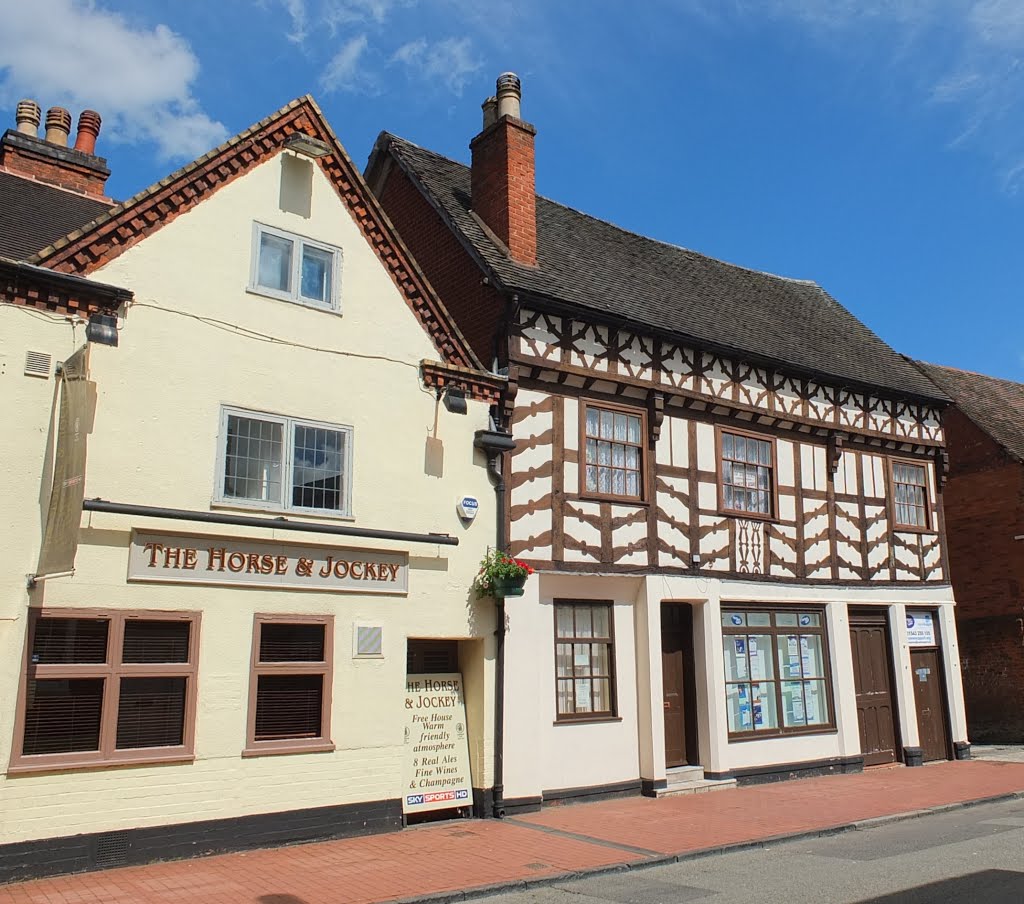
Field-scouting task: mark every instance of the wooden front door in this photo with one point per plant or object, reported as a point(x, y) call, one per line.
point(930, 695)
point(678, 686)
point(872, 676)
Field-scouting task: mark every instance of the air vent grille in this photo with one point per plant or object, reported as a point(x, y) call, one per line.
point(112, 849)
point(38, 364)
point(369, 640)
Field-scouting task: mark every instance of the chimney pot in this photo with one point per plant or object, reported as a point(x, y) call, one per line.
point(58, 126)
point(88, 128)
point(509, 94)
point(490, 108)
point(27, 117)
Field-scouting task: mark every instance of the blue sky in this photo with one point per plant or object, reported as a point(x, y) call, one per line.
point(875, 146)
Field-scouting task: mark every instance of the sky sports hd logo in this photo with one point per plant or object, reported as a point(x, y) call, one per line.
point(435, 796)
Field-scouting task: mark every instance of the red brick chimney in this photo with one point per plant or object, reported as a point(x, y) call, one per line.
point(504, 193)
point(50, 160)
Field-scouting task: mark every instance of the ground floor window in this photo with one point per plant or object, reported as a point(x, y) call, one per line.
point(777, 677)
point(103, 687)
point(584, 661)
point(290, 689)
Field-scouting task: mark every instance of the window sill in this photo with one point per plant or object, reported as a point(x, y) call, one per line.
point(587, 720)
point(297, 514)
point(907, 529)
point(785, 733)
point(616, 500)
point(280, 748)
point(289, 299)
point(748, 516)
point(27, 767)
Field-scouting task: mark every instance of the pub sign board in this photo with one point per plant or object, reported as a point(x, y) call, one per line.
point(234, 561)
point(435, 767)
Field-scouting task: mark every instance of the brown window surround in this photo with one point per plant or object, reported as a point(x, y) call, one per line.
point(584, 660)
point(617, 434)
point(795, 666)
point(734, 466)
point(290, 685)
point(104, 687)
point(910, 508)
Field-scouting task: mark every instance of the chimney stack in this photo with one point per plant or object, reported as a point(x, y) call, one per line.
point(88, 128)
point(50, 159)
point(503, 182)
point(58, 126)
point(27, 117)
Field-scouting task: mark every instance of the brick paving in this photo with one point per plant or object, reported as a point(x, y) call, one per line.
point(467, 854)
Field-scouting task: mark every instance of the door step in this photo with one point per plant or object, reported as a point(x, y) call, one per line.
point(690, 780)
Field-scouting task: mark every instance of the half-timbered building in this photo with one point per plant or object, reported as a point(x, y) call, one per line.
point(730, 487)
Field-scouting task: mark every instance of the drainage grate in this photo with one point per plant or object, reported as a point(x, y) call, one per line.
point(112, 849)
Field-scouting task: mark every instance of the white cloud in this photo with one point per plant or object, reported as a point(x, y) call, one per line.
point(296, 10)
point(74, 53)
point(450, 62)
point(343, 72)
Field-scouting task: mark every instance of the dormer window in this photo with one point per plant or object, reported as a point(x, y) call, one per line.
point(294, 268)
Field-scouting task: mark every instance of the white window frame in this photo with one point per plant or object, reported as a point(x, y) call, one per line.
point(288, 425)
point(299, 242)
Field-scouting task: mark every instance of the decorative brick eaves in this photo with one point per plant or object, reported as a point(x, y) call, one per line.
point(479, 385)
point(111, 234)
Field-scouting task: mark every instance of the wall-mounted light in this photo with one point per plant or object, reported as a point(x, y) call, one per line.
point(455, 400)
point(307, 145)
point(695, 560)
point(102, 329)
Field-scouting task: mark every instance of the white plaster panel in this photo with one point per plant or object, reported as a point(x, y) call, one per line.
point(589, 347)
point(788, 396)
point(785, 474)
point(582, 531)
point(677, 367)
point(807, 470)
point(706, 447)
point(714, 547)
point(933, 561)
point(637, 353)
point(540, 339)
point(715, 380)
point(571, 421)
point(629, 534)
point(570, 476)
point(906, 556)
point(787, 507)
point(819, 403)
point(784, 552)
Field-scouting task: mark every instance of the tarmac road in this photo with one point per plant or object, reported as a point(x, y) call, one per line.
point(973, 855)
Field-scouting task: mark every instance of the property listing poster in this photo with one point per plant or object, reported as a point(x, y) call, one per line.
point(435, 773)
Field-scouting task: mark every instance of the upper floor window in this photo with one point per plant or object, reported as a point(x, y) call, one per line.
point(613, 448)
point(279, 462)
point(294, 268)
point(746, 474)
point(910, 495)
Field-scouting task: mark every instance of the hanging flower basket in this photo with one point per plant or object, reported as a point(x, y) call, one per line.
point(508, 586)
point(501, 575)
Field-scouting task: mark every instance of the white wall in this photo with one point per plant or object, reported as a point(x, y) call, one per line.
point(185, 349)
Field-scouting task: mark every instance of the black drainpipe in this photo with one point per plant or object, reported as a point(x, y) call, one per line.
point(495, 443)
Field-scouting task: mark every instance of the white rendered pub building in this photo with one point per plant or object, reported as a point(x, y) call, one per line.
point(268, 418)
point(731, 490)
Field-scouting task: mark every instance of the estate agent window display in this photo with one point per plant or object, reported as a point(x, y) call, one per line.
point(777, 679)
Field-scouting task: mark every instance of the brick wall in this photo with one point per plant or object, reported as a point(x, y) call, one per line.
point(984, 509)
point(60, 172)
point(477, 308)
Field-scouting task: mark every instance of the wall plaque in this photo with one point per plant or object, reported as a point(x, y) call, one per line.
point(188, 559)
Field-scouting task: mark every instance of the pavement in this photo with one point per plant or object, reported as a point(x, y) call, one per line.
point(451, 861)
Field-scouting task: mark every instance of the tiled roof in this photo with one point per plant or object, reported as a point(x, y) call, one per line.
point(996, 406)
point(621, 276)
point(33, 214)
